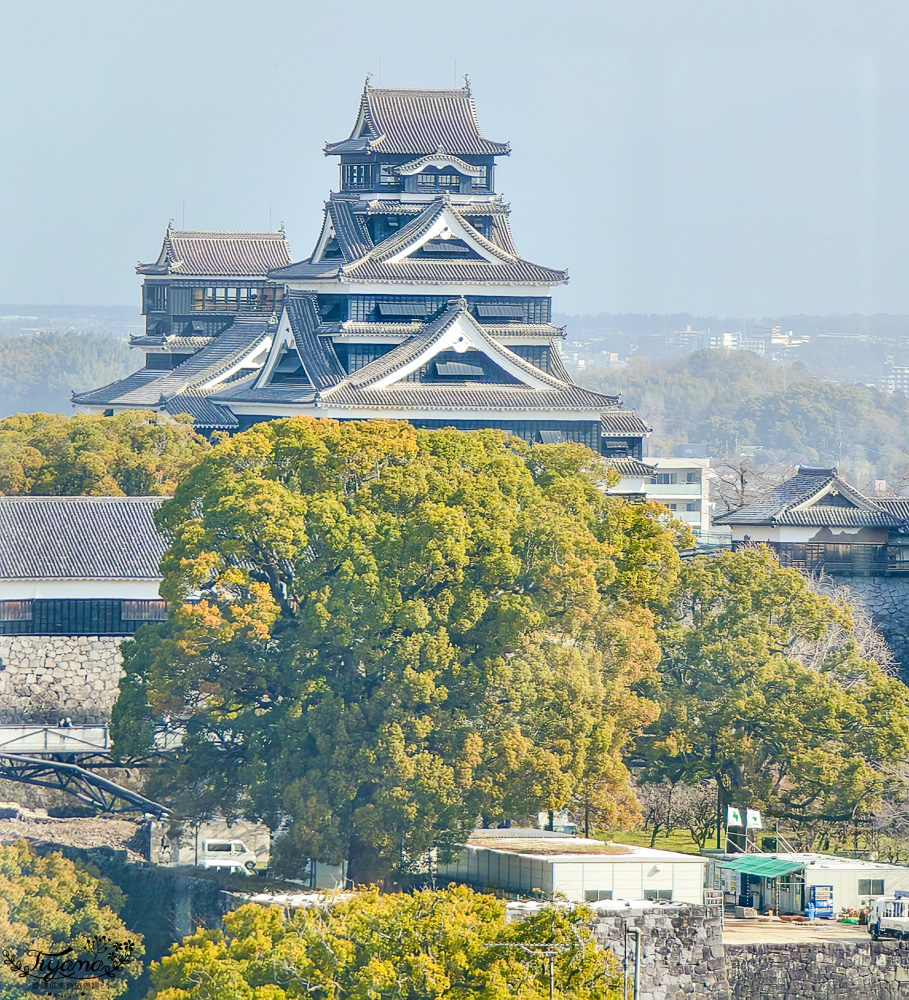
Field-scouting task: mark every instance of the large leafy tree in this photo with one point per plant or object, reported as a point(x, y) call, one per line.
point(449, 945)
point(131, 453)
point(49, 904)
point(398, 631)
point(765, 692)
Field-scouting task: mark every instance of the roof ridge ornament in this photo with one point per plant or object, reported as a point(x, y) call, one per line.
point(366, 82)
point(467, 84)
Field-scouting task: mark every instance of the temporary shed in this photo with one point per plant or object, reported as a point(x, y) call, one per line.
point(784, 882)
point(527, 862)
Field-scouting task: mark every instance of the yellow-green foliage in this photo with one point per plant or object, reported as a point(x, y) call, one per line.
point(132, 453)
point(399, 630)
point(49, 903)
point(429, 945)
point(764, 691)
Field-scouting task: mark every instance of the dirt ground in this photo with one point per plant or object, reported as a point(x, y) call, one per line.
point(85, 832)
point(768, 930)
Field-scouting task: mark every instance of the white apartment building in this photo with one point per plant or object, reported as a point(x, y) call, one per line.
point(682, 485)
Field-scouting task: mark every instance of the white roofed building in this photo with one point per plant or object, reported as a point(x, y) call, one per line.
point(529, 862)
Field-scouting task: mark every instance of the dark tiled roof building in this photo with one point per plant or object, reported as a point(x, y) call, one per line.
point(414, 303)
point(819, 522)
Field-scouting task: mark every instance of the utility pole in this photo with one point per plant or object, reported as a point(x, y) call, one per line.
point(544, 949)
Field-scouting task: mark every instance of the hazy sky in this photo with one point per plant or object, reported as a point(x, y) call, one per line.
point(743, 157)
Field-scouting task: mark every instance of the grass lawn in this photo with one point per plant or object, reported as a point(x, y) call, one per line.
point(678, 840)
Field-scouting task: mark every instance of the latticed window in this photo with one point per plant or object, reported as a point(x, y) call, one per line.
point(387, 174)
point(228, 298)
point(15, 611)
point(155, 297)
point(143, 611)
point(357, 175)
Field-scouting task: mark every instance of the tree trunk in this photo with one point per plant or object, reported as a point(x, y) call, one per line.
point(365, 865)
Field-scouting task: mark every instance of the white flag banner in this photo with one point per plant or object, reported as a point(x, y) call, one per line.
point(753, 819)
point(733, 816)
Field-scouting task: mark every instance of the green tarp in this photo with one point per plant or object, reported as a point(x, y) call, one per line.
point(756, 864)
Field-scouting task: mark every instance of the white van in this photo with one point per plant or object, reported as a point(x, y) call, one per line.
point(888, 916)
point(227, 852)
point(230, 867)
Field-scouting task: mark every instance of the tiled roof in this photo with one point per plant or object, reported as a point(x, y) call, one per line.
point(245, 391)
point(632, 467)
point(439, 395)
point(326, 269)
point(187, 252)
point(376, 264)
point(417, 122)
point(557, 365)
point(172, 345)
point(825, 500)
point(317, 355)
point(360, 328)
point(496, 206)
point(82, 538)
point(621, 423)
point(350, 232)
point(898, 506)
point(836, 517)
point(206, 414)
point(150, 387)
point(358, 389)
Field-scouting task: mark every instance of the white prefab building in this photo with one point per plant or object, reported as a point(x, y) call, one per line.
point(783, 881)
point(533, 862)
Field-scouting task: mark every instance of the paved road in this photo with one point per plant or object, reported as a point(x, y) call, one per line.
point(771, 931)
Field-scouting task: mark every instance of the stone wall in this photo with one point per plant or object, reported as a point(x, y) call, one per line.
point(829, 970)
point(886, 599)
point(681, 949)
point(45, 677)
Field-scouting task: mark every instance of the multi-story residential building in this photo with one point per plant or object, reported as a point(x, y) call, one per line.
point(682, 485)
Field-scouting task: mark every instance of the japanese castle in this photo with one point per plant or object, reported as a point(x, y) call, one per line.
point(414, 304)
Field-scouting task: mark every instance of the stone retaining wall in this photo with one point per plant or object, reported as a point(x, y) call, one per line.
point(886, 599)
point(44, 677)
point(819, 971)
point(681, 950)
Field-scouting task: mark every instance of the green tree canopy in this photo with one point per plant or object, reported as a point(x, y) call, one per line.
point(449, 945)
point(398, 631)
point(764, 691)
point(130, 454)
point(48, 903)
point(39, 371)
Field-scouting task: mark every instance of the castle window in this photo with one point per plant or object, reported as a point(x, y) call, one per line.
point(432, 178)
point(143, 611)
point(155, 297)
point(357, 175)
point(261, 298)
point(15, 611)
point(387, 175)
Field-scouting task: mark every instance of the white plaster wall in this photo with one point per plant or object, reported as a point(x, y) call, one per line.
point(80, 590)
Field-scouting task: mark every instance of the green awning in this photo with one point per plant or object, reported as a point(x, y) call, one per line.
point(756, 864)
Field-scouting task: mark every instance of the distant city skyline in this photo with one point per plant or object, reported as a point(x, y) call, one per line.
point(742, 160)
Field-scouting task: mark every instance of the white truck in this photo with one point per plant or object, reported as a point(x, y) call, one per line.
point(888, 916)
